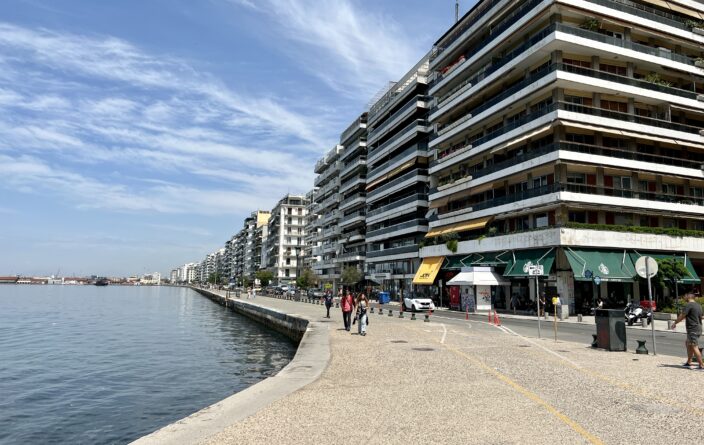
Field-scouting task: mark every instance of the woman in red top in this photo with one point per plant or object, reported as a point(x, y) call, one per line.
point(347, 304)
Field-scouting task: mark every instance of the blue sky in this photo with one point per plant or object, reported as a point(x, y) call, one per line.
point(135, 135)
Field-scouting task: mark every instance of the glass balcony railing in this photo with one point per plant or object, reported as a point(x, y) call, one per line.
point(397, 203)
point(379, 190)
point(413, 103)
point(420, 148)
point(352, 198)
point(345, 219)
point(645, 12)
point(462, 28)
point(397, 227)
point(392, 251)
point(399, 135)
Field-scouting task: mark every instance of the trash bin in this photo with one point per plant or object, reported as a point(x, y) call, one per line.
point(384, 297)
point(610, 329)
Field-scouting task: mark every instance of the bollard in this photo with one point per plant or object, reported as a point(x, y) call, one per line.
point(594, 343)
point(641, 347)
point(371, 310)
point(579, 318)
point(413, 315)
point(644, 322)
point(391, 313)
point(400, 314)
point(669, 324)
point(427, 318)
point(337, 304)
point(381, 310)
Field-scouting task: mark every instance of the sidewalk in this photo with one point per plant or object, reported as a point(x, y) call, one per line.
point(409, 381)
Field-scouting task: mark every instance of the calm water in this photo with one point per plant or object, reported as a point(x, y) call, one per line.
point(86, 364)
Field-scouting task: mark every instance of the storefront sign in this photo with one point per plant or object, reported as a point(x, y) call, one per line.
point(483, 298)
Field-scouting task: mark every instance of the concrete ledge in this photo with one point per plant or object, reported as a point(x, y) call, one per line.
point(308, 364)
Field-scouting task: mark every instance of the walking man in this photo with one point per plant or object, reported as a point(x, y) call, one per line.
point(347, 304)
point(692, 313)
point(328, 302)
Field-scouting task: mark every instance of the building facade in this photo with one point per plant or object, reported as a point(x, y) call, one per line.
point(568, 134)
point(286, 238)
point(397, 181)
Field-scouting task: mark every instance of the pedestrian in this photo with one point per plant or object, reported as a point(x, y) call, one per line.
point(542, 304)
point(692, 313)
point(254, 292)
point(347, 304)
point(249, 293)
point(362, 304)
point(328, 302)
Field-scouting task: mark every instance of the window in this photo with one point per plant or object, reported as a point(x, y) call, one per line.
point(622, 186)
point(516, 188)
point(541, 181)
point(623, 219)
point(580, 63)
point(669, 189)
point(287, 272)
point(541, 220)
point(613, 69)
point(580, 138)
point(578, 217)
point(621, 107)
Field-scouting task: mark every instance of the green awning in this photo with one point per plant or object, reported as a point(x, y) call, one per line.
point(693, 278)
point(455, 262)
point(520, 260)
point(608, 265)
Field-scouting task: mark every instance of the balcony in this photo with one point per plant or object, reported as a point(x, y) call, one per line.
point(329, 201)
point(645, 12)
point(351, 256)
point(351, 166)
point(357, 198)
point(421, 222)
point(332, 170)
point(358, 125)
point(352, 182)
point(329, 217)
point(401, 136)
point(398, 116)
point(353, 148)
point(352, 218)
point(417, 175)
point(392, 251)
point(412, 152)
point(419, 198)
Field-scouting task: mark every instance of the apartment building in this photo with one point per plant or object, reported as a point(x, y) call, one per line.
point(397, 180)
point(327, 202)
point(253, 244)
point(312, 230)
point(567, 134)
point(352, 196)
point(286, 238)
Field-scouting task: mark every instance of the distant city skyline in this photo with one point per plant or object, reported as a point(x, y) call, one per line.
point(138, 135)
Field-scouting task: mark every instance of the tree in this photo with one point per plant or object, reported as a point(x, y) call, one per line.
point(307, 279)
point(350, 276)
point(213, 278)
point(264, 276)
point(246, 282)
point(670, 272)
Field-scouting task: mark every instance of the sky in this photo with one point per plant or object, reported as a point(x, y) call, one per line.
point(136, 135)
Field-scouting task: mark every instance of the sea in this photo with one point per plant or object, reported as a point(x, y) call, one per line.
point(107, 365)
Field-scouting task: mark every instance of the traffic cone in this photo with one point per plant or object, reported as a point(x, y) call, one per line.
point(497, 322)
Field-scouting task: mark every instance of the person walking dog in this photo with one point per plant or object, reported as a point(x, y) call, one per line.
point(347, 305)
point(362, 304)
point(692, 313)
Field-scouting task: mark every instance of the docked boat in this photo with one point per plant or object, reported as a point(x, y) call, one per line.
point(102, 282)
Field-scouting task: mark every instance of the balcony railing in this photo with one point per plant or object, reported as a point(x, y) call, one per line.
point(411, 104)
point(352, 165)
point(377, 191)
point(400, 134)
point(357, 125)
point(496, 31)
point(645, 12)
point(396, 227)
point(392, 251)
point(360, 195)
point(352, 181)
point(418, 148)
point(397, 203)
point(351, 216)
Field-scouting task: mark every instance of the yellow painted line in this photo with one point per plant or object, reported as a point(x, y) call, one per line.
point(530, 395)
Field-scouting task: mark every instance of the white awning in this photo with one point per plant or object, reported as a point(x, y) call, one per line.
point(478, 276)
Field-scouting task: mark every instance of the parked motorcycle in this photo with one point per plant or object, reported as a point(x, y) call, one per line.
point(636, 313)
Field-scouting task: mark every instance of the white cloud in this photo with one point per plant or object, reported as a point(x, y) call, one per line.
point(352, 49)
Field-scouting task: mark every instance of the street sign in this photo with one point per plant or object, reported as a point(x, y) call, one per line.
point(588, 274)
point(597, 280)
point(536, 269)
point(646, 267)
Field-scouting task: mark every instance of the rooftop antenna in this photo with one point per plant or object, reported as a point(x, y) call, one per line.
point(457, 11)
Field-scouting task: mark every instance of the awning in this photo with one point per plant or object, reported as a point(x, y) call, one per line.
point(465, 226)
point(521, 260)
point(672, 6)
point(478, 276)
point(456, 262)
point(428, 270)
point(609, 266)
point(539, 131)
point(692, 278)
point(390, 174)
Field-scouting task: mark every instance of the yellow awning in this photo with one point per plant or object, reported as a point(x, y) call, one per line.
point(460, 227)
point(522, 138)
point(390, 174)
point(686, 11)
point(428, 270)
point(630, 134)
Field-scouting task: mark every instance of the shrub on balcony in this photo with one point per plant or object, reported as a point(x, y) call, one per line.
point(638, 229)
point(591, 24)
point(450, 240)
point(655, 78)
point(691, 24)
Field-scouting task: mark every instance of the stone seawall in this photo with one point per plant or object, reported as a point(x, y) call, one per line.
point(291, 326)
point(311, 358)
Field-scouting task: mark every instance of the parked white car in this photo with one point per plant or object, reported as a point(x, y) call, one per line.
point(415, 303)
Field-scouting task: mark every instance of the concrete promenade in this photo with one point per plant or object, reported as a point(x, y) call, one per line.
point(409, 381)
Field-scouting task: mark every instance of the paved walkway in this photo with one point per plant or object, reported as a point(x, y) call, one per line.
point(469, 382)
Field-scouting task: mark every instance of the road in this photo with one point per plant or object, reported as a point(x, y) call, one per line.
point(667, 343)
